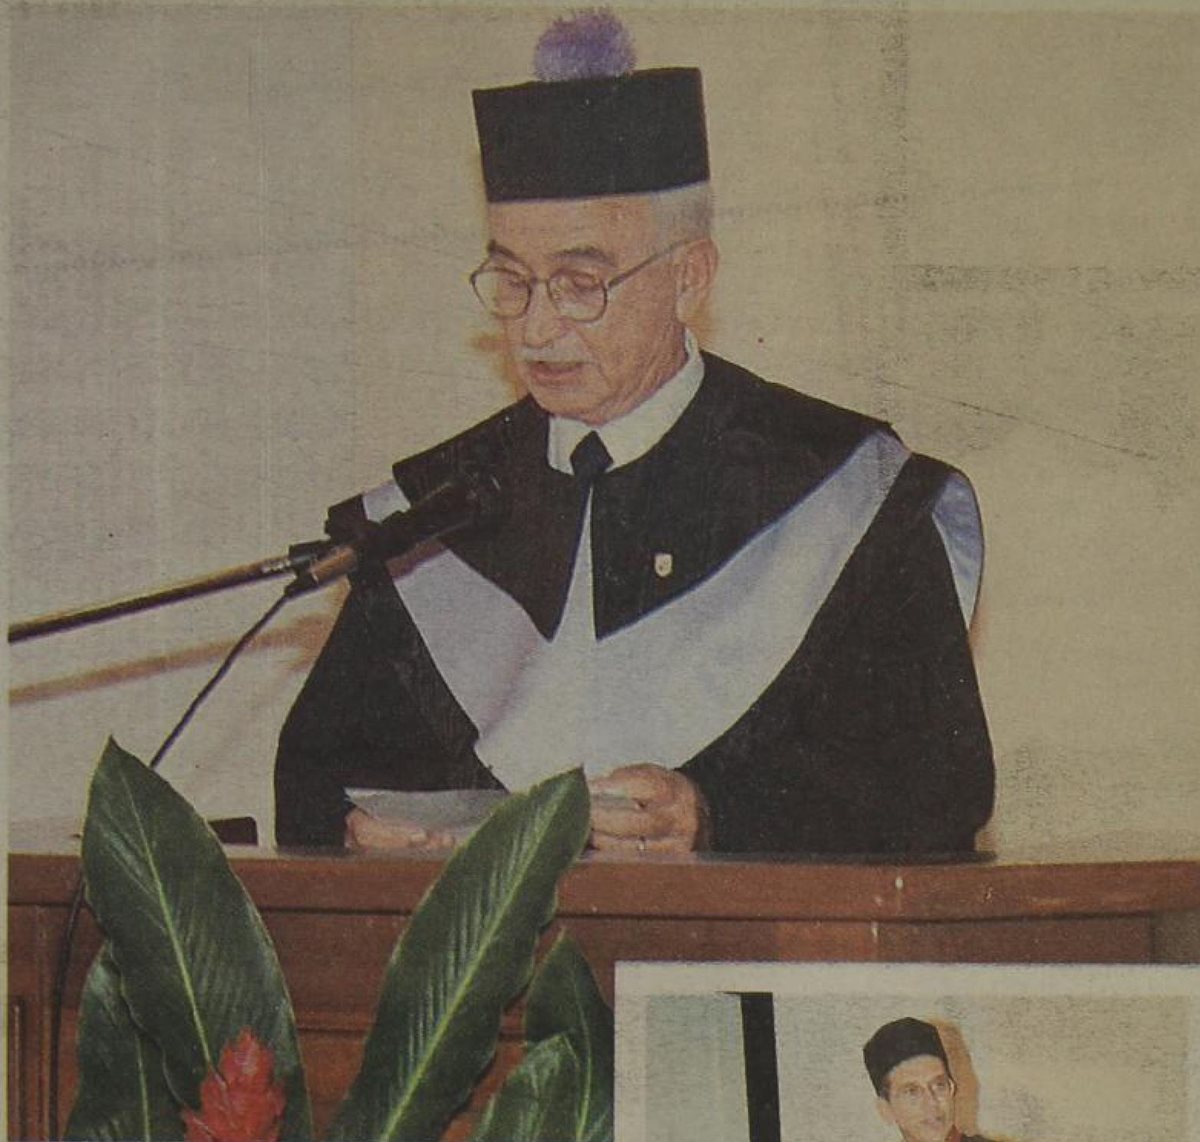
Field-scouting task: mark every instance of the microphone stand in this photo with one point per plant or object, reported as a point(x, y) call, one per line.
point(471, 499)
point(299, 557)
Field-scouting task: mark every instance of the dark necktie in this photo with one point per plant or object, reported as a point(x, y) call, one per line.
point(588, 459)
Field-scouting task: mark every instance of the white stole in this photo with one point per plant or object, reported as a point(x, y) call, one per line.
point(667, 685)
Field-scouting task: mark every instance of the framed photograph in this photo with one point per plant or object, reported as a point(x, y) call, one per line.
point(762, 1052)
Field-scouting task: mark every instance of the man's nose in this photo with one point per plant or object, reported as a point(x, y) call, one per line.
point(543, 323)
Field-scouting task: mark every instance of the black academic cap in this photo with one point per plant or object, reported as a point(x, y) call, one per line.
point(897, 1041)
point(586, 138)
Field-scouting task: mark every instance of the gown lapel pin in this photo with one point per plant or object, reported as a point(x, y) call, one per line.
point(663, 564)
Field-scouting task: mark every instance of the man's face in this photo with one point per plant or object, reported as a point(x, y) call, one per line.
point(590, 371)
point(920, 1099)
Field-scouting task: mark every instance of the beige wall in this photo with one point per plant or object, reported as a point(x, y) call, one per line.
point(239, 245)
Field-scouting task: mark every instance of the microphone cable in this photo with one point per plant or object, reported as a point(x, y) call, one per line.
point(58, 996)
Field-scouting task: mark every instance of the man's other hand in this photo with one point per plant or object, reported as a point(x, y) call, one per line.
point(661, 811)
point(366, 832)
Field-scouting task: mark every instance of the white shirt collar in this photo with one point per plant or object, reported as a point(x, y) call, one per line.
point(634, 434)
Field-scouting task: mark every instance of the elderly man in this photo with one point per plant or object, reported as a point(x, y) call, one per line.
point(742, 610)
point(914, 1088)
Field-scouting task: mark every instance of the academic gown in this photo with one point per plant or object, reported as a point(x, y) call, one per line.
point(871, 736)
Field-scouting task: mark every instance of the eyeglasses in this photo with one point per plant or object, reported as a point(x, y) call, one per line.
point(911, 1094)
point(575, 294)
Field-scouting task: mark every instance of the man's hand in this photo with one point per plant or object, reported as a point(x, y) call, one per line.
point(666, 812)
point(366, 832)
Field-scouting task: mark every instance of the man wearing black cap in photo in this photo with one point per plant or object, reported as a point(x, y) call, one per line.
point(911, 1075)
point(742, 610)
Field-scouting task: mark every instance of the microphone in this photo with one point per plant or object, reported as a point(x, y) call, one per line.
point(470, 499)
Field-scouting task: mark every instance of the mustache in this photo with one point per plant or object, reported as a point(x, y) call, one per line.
point(549, 355)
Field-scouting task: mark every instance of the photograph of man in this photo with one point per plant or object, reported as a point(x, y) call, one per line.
point(747, 1052)
point(744, 611)
point(914, 1088)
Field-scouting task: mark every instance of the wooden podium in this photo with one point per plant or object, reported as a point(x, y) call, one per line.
point(334, 920)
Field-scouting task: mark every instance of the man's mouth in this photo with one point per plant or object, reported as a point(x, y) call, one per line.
point(551, 371)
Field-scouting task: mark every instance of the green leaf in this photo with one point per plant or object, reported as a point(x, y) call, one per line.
point(538, 1100)
point(122, 1093)
point(564, 998)
point(466, 952)
point(196, 963)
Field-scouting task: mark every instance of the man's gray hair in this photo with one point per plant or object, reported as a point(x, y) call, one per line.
point(684, 213)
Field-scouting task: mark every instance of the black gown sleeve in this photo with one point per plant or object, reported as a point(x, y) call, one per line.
point(873, 738)
point(372, 713)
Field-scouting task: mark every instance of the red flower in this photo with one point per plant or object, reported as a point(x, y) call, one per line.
point(239, 1102)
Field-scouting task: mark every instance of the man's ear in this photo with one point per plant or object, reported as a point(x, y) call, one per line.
point(696, 269)
point(885, 1110)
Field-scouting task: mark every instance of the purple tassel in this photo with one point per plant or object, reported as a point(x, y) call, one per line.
point(585, 45)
